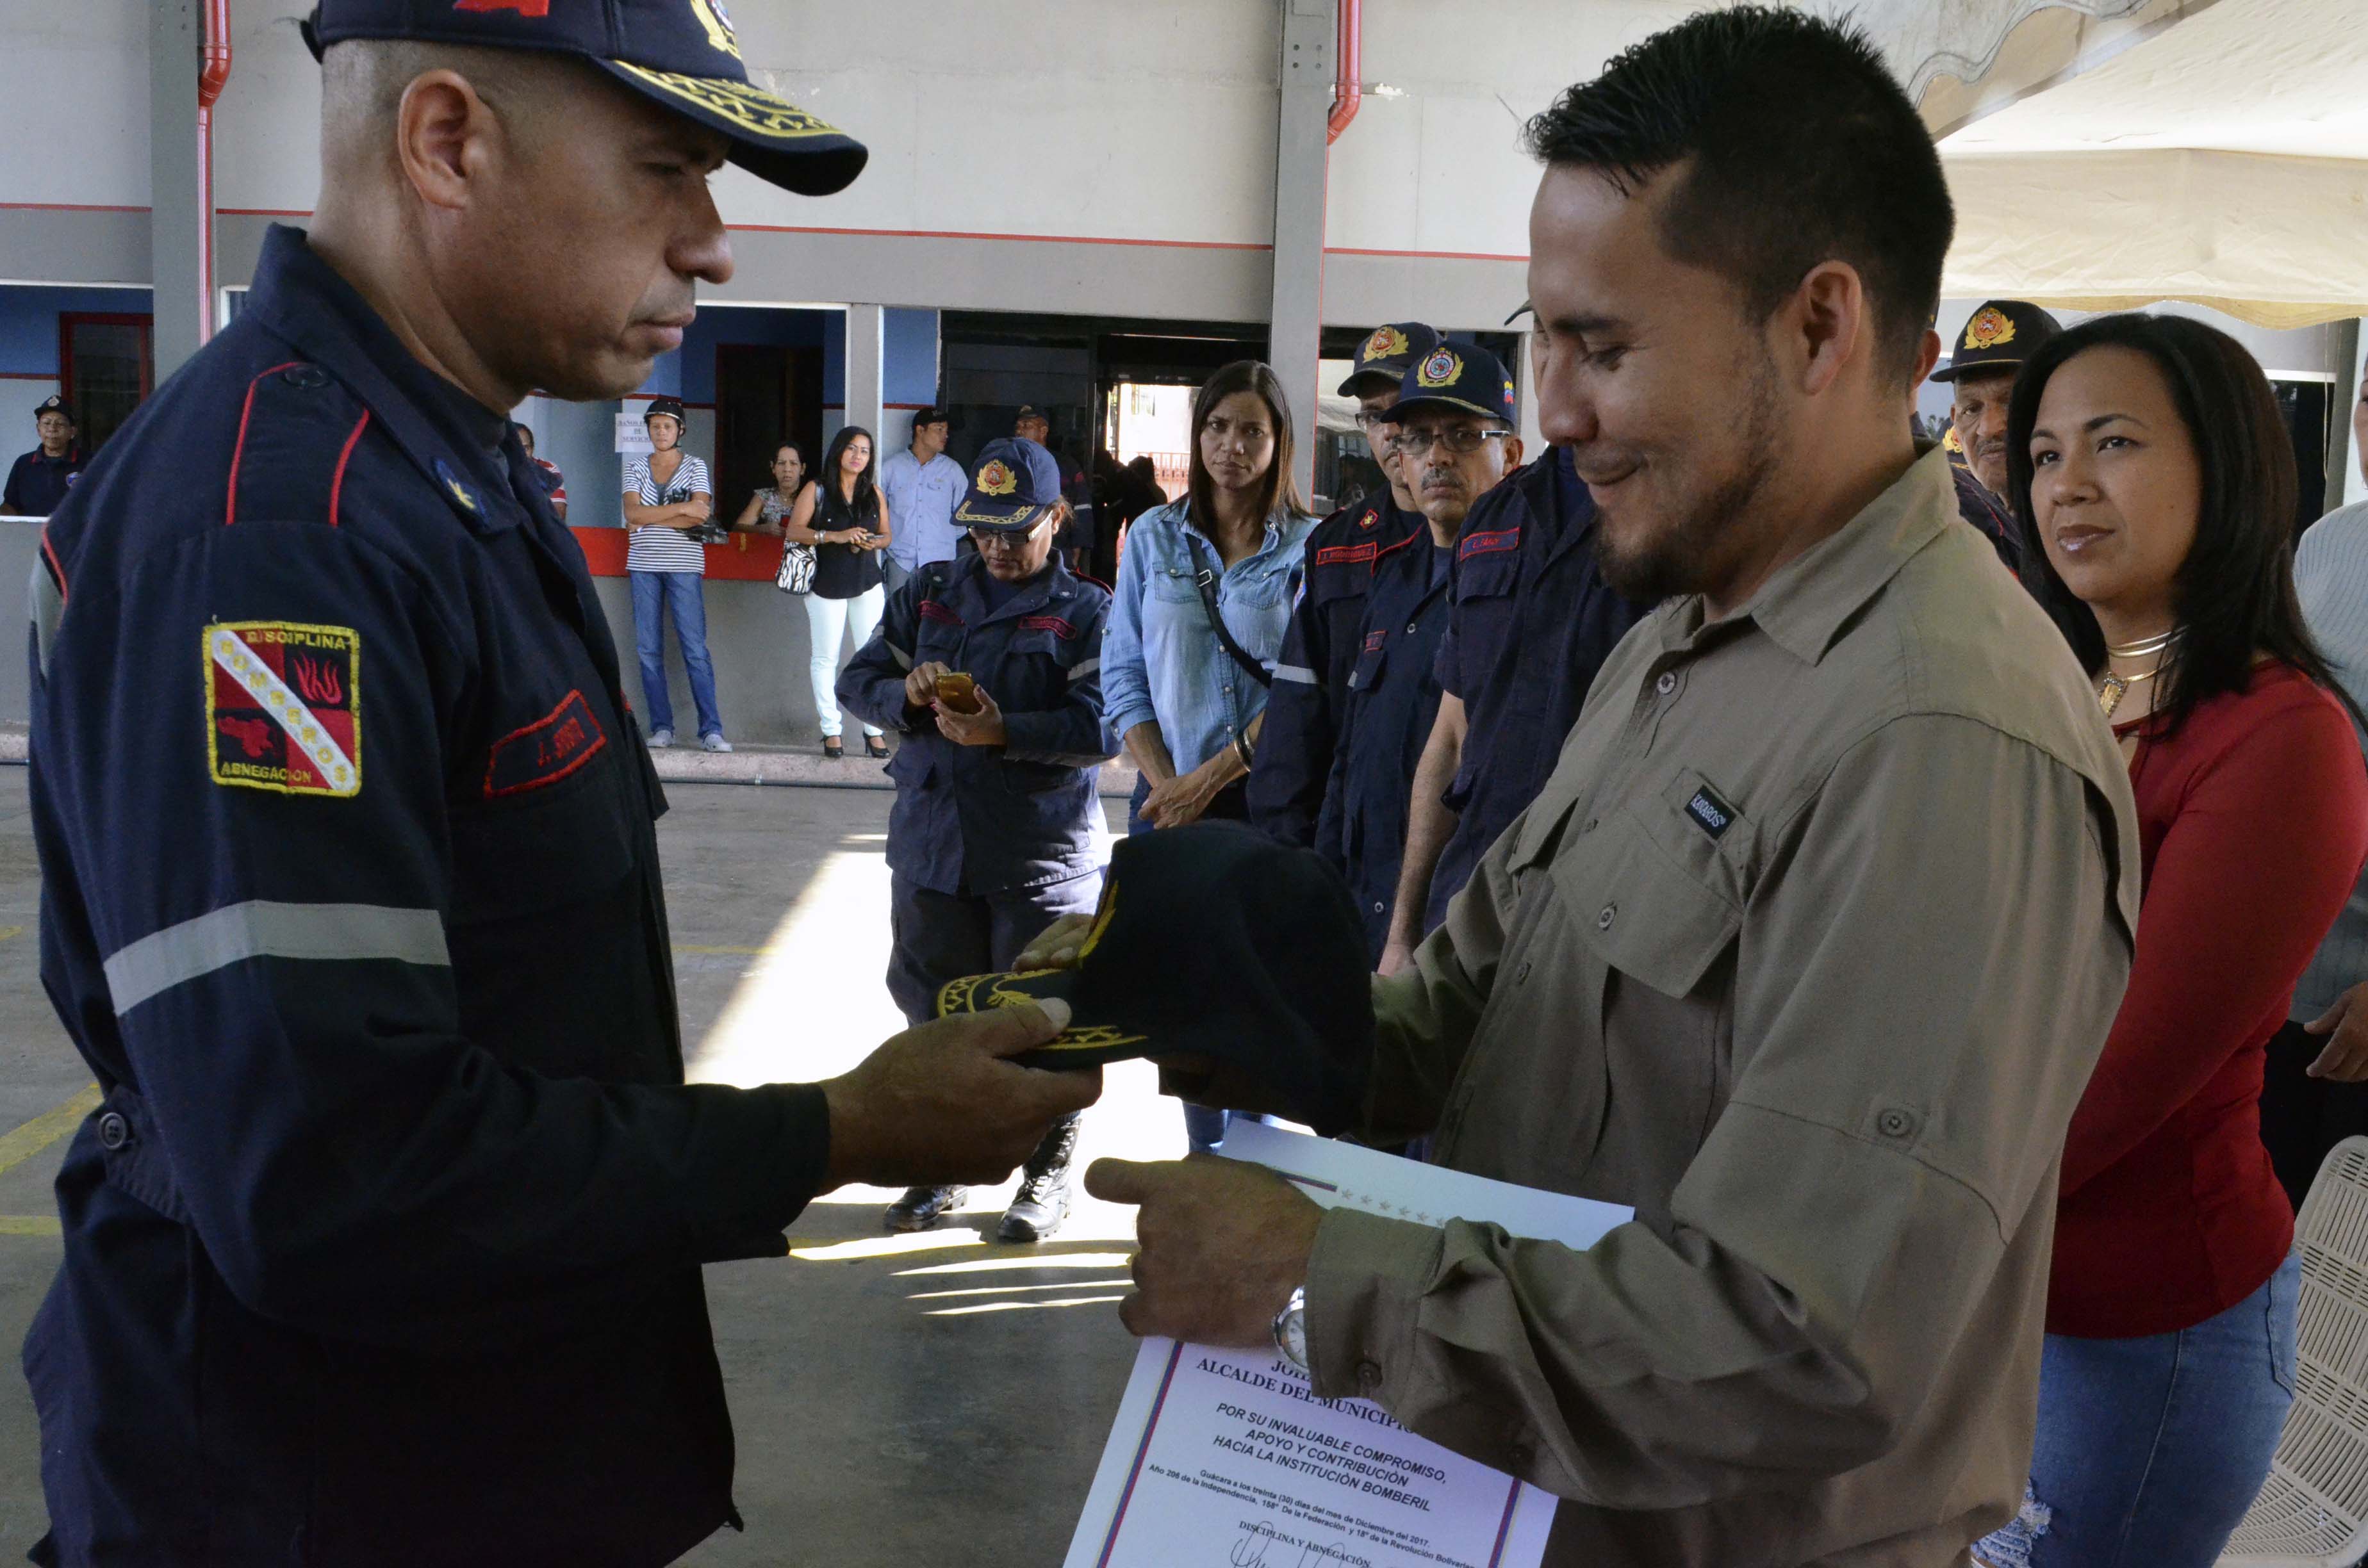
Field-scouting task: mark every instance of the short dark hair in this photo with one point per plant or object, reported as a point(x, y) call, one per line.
point(2234, 597)
point(1803, 148)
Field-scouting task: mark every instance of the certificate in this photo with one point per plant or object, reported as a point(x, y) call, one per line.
point(1226, 1458)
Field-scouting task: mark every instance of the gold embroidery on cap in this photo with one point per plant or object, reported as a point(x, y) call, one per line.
point(1440, 370)
point(718, 23)
point(756, 112)
point(1988, 328)
point(1386, 343)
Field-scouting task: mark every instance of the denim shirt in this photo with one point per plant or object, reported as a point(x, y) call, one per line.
point(1162, 662)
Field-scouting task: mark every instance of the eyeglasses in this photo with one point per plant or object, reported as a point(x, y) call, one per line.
point(1003, 538)
point(1371, 420)
point(1462, 440)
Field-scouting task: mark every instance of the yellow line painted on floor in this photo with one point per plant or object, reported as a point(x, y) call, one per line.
point(30, 1225)
point(8, 931)
point(38, 1134)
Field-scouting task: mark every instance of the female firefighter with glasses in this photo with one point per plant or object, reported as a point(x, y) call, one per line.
point(989, 666)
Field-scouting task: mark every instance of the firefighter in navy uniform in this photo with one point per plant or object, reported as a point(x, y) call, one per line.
point(1531, 622)
point(1454, 432)
point(1295, 748)
point(383, 1247)
point(998, 830)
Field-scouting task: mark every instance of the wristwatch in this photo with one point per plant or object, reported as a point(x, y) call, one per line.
point(1291, 1329)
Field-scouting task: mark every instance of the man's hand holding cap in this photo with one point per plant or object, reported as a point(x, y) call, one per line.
point(943, 1104)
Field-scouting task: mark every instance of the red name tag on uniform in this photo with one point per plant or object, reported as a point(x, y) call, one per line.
point(1345, 554)
point(546, 751)
point(1489, 544)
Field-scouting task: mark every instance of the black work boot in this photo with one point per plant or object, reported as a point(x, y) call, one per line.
point(1043, 1201)
point(922, 1207)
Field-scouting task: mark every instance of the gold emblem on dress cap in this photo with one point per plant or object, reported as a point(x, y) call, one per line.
point(1988, 328)
point(1440, 370)
point(995, 478)
point(1387, 342)
point(718, 23)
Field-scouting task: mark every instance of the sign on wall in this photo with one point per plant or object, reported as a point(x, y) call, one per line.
point(632, 436)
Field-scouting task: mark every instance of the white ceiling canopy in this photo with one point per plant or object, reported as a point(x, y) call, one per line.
point(2219, 155)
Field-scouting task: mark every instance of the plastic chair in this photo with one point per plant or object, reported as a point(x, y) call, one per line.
point(2313, 1510)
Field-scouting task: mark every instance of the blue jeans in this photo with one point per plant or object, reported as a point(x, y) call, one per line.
point(656, 596)
point(2149, 1450)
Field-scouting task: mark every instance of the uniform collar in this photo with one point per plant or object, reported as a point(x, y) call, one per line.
point(1056, 584)
point(1805, 606)
point(302, 300)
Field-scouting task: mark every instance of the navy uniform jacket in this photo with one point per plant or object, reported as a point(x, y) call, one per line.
point(1296, 746)
point(1393, 700)
point(38, 483)
point(987, 819)
point(1989, 517)
point(1533, 621)
point(384, 1246)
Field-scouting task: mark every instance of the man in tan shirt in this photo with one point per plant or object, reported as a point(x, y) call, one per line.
point(1807, 948)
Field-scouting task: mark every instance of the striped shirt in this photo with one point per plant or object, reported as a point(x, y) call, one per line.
point(662, 548)
point(2331, 576)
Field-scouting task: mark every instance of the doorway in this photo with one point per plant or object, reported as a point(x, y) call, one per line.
point(106, 365)
point(765, 395)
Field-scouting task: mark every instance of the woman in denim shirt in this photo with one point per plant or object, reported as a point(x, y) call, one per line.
point(1189, 711)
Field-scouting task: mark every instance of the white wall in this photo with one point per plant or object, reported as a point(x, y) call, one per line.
point(73, 102)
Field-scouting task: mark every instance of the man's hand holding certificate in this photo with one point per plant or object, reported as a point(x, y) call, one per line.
point(1222, 1453)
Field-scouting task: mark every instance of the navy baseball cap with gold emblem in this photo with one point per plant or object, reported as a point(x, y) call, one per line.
point(680, 53)
point(54, 403)
point(1387, 353)
point(1999, 337)
point(1462, 377)
point(1014, 485)
point(1213, 941)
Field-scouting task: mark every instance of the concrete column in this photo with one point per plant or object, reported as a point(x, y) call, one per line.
point(178, 219)
point(866, 378)
point(1302, 157)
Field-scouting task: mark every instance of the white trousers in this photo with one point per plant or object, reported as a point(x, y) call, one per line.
point(828, 623)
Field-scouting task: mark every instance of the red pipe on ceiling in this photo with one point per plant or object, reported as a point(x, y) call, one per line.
point(1348, 72)
point(212, 77)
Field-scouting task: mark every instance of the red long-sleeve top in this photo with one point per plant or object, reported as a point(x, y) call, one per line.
point(2254, 824)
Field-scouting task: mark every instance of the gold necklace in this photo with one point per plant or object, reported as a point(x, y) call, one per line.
point(2111, 691)
point(2145, 645)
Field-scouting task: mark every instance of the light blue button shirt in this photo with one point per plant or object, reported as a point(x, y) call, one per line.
point(921, 502)
point(2332, 579)
point(1161, 661)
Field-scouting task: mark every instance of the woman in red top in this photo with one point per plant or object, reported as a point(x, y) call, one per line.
point(2156, 488)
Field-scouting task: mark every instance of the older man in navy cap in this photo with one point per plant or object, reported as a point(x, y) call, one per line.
point(384, 1247)
point(990, 665)
point(40, 479)
point(1998, 337)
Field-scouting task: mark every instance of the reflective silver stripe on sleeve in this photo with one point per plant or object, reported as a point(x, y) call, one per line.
point(1079, 672)
point(48, 607)
point(336, 932)
point(904, 659)
point(1293, 671)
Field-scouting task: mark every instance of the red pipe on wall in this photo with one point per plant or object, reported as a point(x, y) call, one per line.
point(1347, 70)
point(212, 77)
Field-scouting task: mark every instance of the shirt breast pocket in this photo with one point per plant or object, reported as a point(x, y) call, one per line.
point(556, 846)
point(1665, 934)
point(1171, 586)
point(1372, 661)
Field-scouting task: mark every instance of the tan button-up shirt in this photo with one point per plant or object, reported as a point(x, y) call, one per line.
point(1806, 951)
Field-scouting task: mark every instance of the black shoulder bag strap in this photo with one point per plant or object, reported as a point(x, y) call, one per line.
point(1204, 579)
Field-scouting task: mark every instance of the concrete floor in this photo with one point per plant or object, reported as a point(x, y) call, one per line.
point(941, 1401)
